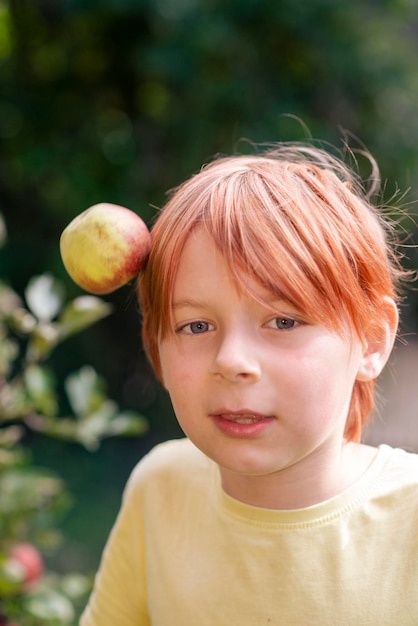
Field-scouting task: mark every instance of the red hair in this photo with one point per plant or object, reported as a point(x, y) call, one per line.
point(297, 219)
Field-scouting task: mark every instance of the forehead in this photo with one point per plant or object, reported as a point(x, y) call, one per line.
point(201, 265)
point(203, 272)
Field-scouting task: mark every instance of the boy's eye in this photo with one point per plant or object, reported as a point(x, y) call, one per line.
point(195, 328)
point(282, 323)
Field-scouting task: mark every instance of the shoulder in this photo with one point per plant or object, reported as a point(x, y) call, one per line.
point(399, 477)
point(402, 464)
point(169, 465)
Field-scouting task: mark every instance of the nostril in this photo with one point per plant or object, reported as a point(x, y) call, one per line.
point(236, 369)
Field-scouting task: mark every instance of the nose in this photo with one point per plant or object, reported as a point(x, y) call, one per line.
point(236, 359)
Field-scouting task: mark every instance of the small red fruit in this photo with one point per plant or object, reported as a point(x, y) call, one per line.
point(29, 561)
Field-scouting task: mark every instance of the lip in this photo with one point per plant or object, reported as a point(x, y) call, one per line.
point(243, 423)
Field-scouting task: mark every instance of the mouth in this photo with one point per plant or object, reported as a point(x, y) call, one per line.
point(243, 416)
point(241, 424)
point(244, 419)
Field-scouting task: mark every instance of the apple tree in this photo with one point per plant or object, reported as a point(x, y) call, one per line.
point(32, 499)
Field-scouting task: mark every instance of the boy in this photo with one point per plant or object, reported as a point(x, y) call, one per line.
point(269, 305)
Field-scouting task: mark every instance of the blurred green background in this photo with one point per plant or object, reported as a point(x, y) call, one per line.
point(120, 100)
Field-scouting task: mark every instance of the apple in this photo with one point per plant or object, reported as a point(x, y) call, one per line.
point(28, 561)
point(105, 247)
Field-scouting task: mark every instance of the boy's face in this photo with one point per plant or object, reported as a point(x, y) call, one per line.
point(258, 388)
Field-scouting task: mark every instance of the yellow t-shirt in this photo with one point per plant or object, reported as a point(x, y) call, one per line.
point(183, 553)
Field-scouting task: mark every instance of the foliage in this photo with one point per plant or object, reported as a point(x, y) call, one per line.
point(120, 100)
point(31, 498)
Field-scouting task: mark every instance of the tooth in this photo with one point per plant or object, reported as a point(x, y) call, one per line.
point(246, 420)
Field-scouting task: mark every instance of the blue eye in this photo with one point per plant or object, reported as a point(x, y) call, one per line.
point(195, 328)
point(198, 327)
point(282, 323)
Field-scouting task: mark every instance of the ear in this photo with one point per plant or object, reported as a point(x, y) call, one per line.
point(378, 348)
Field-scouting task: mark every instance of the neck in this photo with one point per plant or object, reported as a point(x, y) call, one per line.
point(303, 484)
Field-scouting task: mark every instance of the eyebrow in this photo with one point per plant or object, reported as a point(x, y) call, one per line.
point(273, 303)
point(182, 304)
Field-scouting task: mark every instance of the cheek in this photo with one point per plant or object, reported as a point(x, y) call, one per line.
point(165, 370)
point(176, 373)
point(185, 395)
point(324, 378)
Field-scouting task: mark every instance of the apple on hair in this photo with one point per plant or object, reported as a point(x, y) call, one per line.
point(105, 247)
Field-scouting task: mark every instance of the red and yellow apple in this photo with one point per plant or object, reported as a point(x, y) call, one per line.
point(105, 247)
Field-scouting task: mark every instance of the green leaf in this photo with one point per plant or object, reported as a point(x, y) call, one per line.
point(94, 427)
point(10, 436)
point(9, 300)
point(44, 295)
point(14, 402)
point(22, 321)
point(23, 489)
point(10, 578)
point(40, 386)
point(127, 423)
point(50, 605)
point(44, 338)
point(11, 452)
point(81, 313)
point(62, 428)
point(75, 585)
point(9, 349)
point(84, 390)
